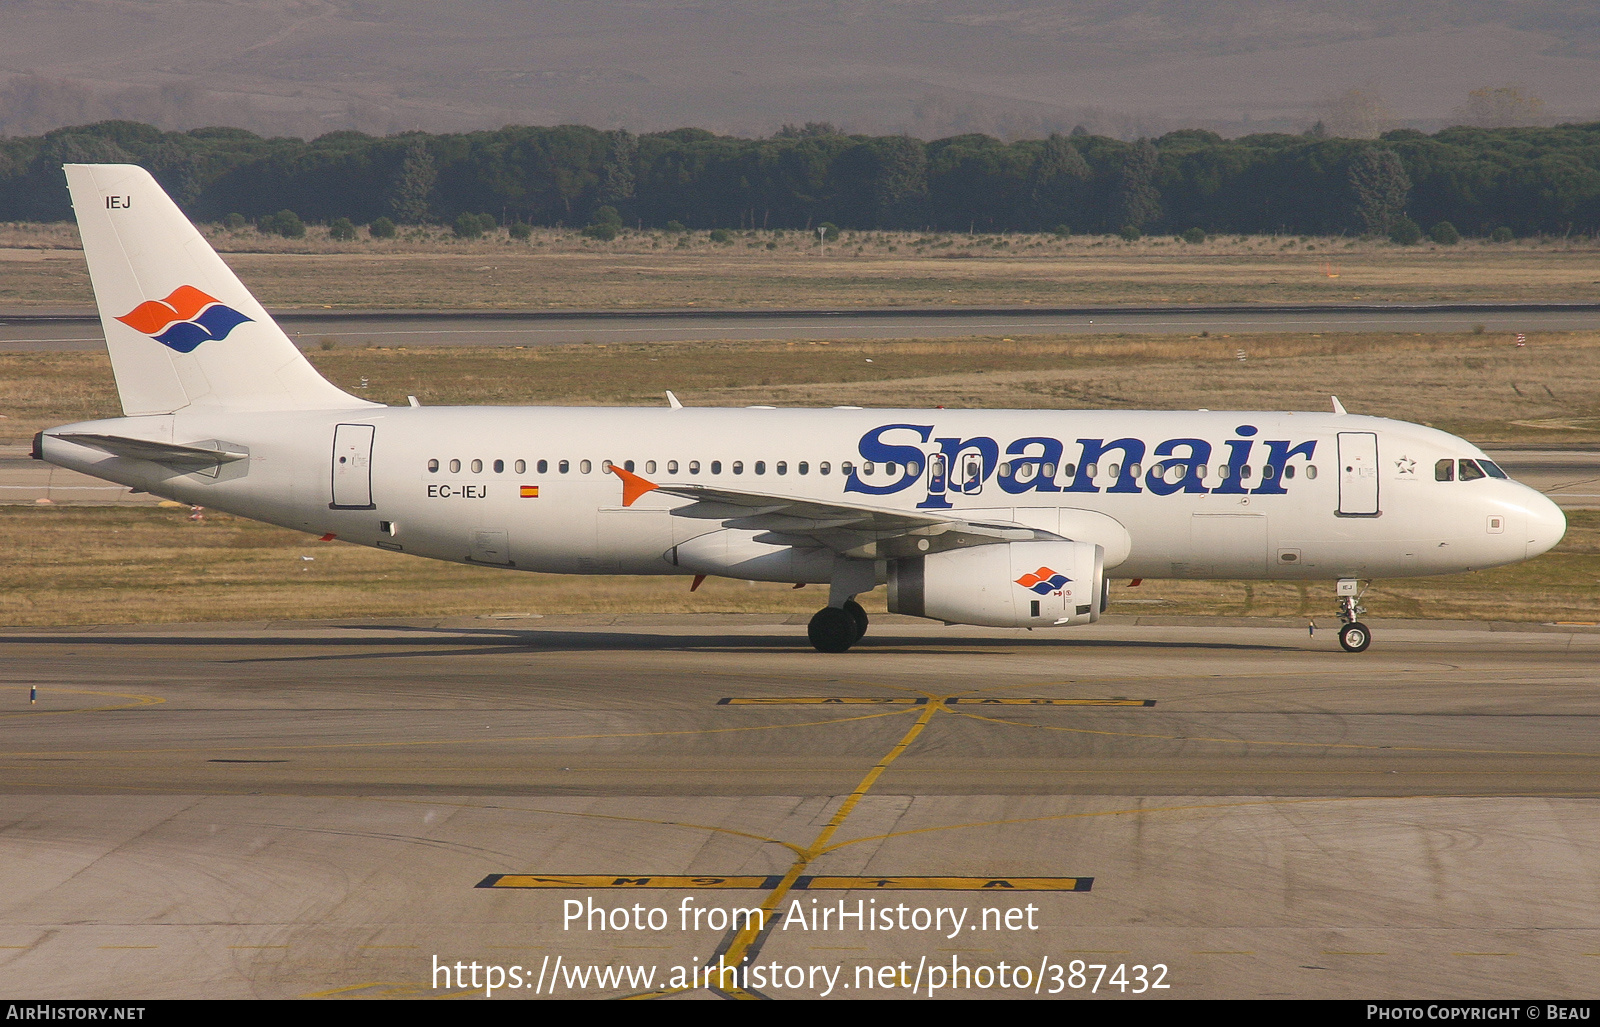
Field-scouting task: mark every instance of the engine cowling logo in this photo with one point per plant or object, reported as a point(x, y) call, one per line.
point(1043, 581)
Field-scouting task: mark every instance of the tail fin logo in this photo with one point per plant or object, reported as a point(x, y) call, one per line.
point(184, 319)
point(1043, 581)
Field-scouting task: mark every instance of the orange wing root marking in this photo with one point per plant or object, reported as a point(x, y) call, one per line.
point(329, 537)
point(1136, 582)
point(633, 486)
point(699, 579)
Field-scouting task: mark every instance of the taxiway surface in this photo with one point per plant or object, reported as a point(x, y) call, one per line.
point(302, 809)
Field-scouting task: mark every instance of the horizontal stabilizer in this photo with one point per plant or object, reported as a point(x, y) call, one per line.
point(156, 452)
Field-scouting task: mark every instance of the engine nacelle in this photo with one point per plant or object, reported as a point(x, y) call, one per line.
point(1005, 585)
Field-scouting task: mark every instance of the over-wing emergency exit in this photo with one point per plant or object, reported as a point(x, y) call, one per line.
point(1010, 518)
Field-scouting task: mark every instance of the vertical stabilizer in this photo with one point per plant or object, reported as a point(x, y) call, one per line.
point(183, 331)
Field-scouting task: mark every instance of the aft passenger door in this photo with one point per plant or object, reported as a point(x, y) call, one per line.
point(352, 467)
point(1358, 473)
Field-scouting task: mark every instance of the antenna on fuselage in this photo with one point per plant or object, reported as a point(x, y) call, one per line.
point(1338, 407)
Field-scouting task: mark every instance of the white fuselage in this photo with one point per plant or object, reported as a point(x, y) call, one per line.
point(1295, 496)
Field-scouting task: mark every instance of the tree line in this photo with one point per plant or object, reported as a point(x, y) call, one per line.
point(1525, 180)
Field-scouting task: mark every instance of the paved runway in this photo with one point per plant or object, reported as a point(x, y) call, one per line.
point(296, 809)
point(21, 332)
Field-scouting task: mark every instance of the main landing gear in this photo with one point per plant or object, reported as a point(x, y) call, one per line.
point(1354, 636)
point(834, 629)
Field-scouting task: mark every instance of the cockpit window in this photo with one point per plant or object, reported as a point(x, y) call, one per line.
point(1493, 469)
point(1470, 471)
point(1444, 470)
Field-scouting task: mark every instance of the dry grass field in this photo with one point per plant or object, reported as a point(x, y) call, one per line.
point(1481, 386)
point(40, 266)
point(81, 565)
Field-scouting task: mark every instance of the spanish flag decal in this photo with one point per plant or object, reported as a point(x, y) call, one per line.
point(530, 492)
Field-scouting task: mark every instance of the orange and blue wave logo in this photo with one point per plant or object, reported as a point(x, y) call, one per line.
point(184, 319)
point(1043, 581)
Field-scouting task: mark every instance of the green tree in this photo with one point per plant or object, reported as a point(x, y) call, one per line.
point(1405, 232)
point(285, 223)
point(618, 175)
point(234, 222)
point(342, 229)
point(381, 228)
point(1444, 233)
point(473, 226)
point(409, 198)
point(1379, 188)
point(1194, 236)
point(521, 232)
point(1138, 202)
point(1502, 234)
point(1057, 180)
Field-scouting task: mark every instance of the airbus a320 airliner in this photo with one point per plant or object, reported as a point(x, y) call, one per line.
point(1000, 518)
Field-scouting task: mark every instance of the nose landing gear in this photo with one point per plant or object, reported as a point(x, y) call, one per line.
point(1354, 636)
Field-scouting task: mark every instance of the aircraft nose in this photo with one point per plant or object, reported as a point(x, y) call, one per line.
point(1546, 524)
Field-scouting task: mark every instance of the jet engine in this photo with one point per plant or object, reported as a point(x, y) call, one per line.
point(1005, 585)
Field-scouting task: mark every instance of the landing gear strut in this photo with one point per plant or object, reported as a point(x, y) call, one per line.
point(1354, 636)
point(834, 629)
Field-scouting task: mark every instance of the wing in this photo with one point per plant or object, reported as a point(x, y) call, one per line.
point(864, 532)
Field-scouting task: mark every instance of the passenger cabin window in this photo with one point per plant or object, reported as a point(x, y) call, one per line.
point(1288, 471)
point(584, 467)
point(477, 467)
point(846, 467)
point(649, 467)
point(822, 468)
point(1311, 471)
point(433, 467)
point(761, 467)
point(782, 467)
point(694, 467)
point(521, 466)
point(716, 467)
point(565, 466)
point(1444, 470)
point(605, 465)
point(499, 467)
point(866, 467)
point(544, 467)
point(455, 467)
point(672, 467)
point(738, 467)
point(803, 467)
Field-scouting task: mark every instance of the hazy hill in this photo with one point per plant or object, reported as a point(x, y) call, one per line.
point(929, 67)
